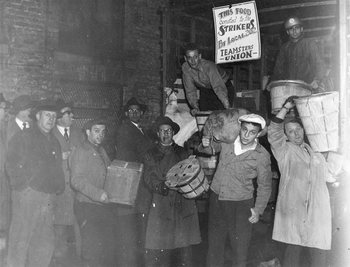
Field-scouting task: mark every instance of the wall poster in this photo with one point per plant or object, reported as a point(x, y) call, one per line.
point(237, 33)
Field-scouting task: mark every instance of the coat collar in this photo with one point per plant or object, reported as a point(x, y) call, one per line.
point(303, 151)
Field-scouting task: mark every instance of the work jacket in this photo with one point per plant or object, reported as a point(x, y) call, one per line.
point(34, 159)
point(63, 204)
point(233, 178)
point(299, 60)
point(88, 165)
point(208, 75)
point(173, 219)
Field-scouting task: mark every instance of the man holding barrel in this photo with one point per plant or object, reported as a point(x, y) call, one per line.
point(173, 220)
point(303, 212)
point(232, 209)
point(300, 58)
point(213, 82)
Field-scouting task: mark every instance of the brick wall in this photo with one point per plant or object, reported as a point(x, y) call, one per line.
point(142, 41)
point(43, 41)
point(24, 60)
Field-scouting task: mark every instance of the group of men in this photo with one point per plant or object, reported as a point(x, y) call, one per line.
point(57, 173)
point(303, 195)
point(299, 59)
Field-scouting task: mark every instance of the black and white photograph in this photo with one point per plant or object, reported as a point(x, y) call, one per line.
point(174, 133)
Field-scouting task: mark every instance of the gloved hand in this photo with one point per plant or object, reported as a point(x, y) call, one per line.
point(289, 103)
point(161, 189)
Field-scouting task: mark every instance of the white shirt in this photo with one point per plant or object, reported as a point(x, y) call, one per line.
point(138, 127)
point(61, 130)
point(20, 123)
point(238, 146)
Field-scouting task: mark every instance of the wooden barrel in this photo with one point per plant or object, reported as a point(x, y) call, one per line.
point(188, 178)
point(319, 114)
point(282, 89)
point(122, 181)
point(201, 118)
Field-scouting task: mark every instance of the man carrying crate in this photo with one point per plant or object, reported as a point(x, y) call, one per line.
point(96, 218)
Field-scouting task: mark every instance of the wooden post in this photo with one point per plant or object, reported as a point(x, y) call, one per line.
point(164, 14)
point(344, 62)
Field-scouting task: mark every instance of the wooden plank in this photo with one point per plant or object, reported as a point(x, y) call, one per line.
point(280, 22)
point(344, 77)
point(309, 4)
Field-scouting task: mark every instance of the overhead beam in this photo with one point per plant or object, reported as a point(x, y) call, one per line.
point(309, 4)
point(280, 22)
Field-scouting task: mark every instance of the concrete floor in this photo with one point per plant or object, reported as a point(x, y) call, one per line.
point(262, 247)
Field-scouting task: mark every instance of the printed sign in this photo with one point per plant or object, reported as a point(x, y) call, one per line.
point(237, 33)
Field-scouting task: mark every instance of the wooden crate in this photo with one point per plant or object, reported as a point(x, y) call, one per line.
point(122, 181)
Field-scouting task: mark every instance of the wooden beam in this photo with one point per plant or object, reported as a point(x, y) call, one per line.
point(344, 62)
point(284, 7)
point(280, 22)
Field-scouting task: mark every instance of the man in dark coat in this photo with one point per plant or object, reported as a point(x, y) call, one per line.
point(19, 119)
point(70, 137)
point(299, 58)
point(131, 144)
point(34, 166)
point(21, 109)
point(173, 219)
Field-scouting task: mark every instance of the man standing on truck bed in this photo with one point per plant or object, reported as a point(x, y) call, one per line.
point(300, 58)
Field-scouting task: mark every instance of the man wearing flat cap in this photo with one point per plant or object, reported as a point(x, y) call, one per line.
point(69, 138)
point(131, 143)
point(173, 219)
point(232, 209)
point(95, 215)
point(34, 166)
point(21, 109)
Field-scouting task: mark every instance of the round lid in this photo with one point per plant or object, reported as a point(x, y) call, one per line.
point(182, 172)
point(291, 82)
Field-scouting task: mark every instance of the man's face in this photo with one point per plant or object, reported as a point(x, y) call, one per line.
point(295, 32)
point(134, 113)
point(96, 134)
point(67, 119)
point(165, 134)
point(294, 133)
point(248, 133)
point(23, 115)
point(46, 120)
point(192, 57)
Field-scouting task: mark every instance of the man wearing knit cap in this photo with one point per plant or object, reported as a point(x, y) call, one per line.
point(21, 108)
point(34, 165)
point(69, 138)
point(232, 209)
